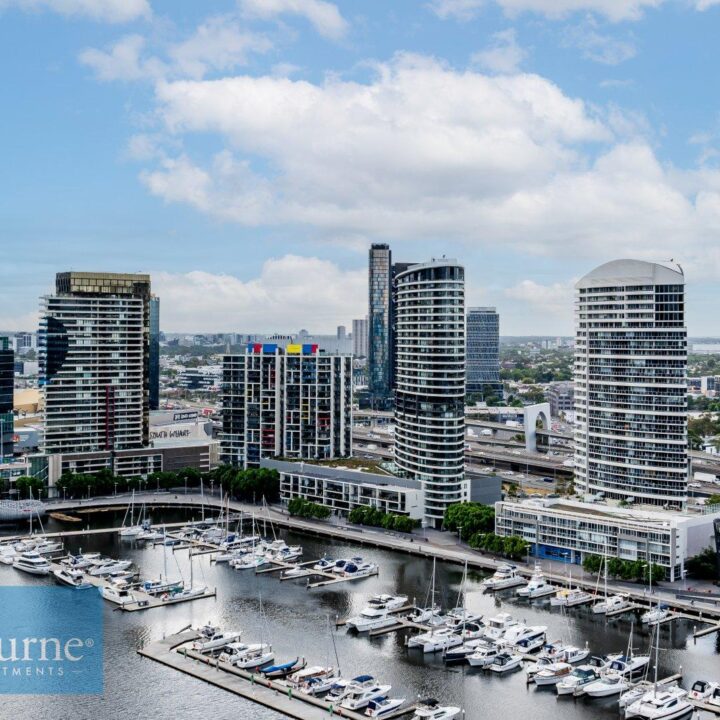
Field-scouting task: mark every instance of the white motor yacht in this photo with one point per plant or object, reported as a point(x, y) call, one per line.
point(520, 632)
point(505, 576)
point(47, 547)
point(359, 698)
point(440, 639)
point(529, 642)
point(628, 666)
point(484, 655)
point(31, 562)
point(324, 564)
point(108, 567)
point(339, 565)
point(384, 706)
point(213, 638)
point(71, 577)
point(714, 699)
point(428, 616)
point(537, 587)
point(430, 709)
point(318, 685)
point(296, 572)
point(607, 685)
point(614, 603)
point(666, 704)
point(567, 597)
point(81, 561)
point(364, 569)
point(505, 662)
point(255, 656)
point(577, 680)
point(702, 690)
point(116, 594)
point(497, 626)
point(553, 673)
point(8, 554)
point(342, 688)
point(377, 613)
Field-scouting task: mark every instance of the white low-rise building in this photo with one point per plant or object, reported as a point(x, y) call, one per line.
point(342, 489)
point(568, 530)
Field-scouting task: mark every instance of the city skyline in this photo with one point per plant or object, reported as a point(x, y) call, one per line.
point(618, 159)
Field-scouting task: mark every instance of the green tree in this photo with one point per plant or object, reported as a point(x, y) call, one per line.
point(704, 565)
point(471, 517)
point(592, 563)
point(28, 486)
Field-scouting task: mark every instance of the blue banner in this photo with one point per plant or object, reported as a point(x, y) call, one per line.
point(51, 641)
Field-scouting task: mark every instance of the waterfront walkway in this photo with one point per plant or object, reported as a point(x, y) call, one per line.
point(430, 543)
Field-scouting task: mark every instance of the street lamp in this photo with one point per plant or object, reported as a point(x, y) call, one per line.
point(88, 492)
point(459, 534)
point(115, 484)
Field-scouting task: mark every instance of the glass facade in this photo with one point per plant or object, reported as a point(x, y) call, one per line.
point(430, 382)
point(483, 352)
point(380, 324)
point(154, 363)
point(7, 368)
point(630, 384)
point(94, 362)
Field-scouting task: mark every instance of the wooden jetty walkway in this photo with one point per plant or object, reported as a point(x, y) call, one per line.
point(275, 694)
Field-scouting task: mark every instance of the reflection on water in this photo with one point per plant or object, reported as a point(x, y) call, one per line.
point(297, 622)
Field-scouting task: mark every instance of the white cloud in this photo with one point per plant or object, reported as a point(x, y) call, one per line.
point(615, 10)
point(17, 323)
point(504, 55)
point(425, 152)
point(123, 61)
point(291, 292)
point(603, 48)
point(556, 298)
point(706, 4)
point(323, 16)
point(458, 9)
point(113, 11)
point(219, 44)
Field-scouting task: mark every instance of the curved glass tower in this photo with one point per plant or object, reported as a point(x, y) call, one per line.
point(430, 382)
point(630, 383)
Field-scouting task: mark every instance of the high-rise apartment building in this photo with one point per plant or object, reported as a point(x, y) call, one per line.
point(483, 352)
point(94, 344)
point(154, 350)
point(430, 382)
point(380, 323)
point(630, 384)
point(360, 337)
point(7, 375)
point(294, 402)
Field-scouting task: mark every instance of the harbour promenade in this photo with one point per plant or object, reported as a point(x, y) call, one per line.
point(703, 606)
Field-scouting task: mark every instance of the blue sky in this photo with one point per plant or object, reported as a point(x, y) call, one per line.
point(247, 152)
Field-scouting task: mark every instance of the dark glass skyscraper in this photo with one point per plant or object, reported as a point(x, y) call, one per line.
point(483, 352)
point(7, 367)
point(94, 362)
point(154, 367)
point(380, 324)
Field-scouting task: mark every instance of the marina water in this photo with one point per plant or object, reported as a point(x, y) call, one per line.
point(295, 621)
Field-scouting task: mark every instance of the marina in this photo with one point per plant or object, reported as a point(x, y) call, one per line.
point(295, 623)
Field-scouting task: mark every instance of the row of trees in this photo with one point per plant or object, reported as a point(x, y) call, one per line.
point(366, 515)
point(306, 509)
point(30, 487)
point(704, 566)
point(512, 547)
point(624, 569)
point(251, 485)
point(470, 518)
